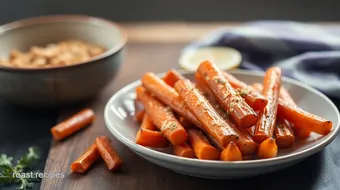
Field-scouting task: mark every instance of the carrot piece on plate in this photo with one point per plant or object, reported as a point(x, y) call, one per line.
point(73, 124)
point(85, 161)
point(139, 116)
point(284, 134)
point(171, 77)
point(184, 150)
point(240, 112)
point(108, 153)
point(267, 149)
point(231, 153)
point(202, 148)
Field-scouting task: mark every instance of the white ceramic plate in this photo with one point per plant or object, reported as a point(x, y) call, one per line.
point(120, 109)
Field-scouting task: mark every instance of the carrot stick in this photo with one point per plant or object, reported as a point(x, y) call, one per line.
point(185, 123)
point(258, 87)
point(171, 77)
point(184, 150)
point(108, 153)
point(253, 99)
point(73, 124)
point(245, 142)
point(139, 116)
point(231, 153)
point(296, 116)
point(267, 149)
point(162, 117)
point(85, 161)
point(202, 148)
point(240, 112)
point(205, 113)
point(148, 136)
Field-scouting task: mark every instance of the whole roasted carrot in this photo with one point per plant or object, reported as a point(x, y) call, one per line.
point(108, 153)
point(139, 116)
point(245, 142)
point(271, 89)
point(162, 117)
point(85, 161)
point(184, 150)
point(73, 124)
point(211, 121)
point(240, 112)
point(148, 136)
point(231, 153)
point(253, 99)
point(202, 148)
point(171, 77)
point(267, 149)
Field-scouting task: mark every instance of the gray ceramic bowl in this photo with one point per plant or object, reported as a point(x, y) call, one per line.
point(59, 85)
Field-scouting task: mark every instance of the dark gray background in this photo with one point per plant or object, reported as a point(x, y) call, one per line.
point(187, 10)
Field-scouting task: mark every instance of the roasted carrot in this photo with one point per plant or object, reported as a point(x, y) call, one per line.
point(139, 116)
point(267, 149)
point(184, 150)
point(185, 123)
point(295, 115)
point(245, 142)
point(171, 77)
point(211, 121)
point(240, 112)
point(231, 153)
point(202, 148)
point(148, 136)
point(162, 117)
point(271, 88)
point(258, 87)
point(85, 161)
point(253, 99)
point(73, 124)
point(108, 153)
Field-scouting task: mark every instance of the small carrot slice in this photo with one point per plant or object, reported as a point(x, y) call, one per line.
point(184, 150)
point(108, 153)
point(139, 116)
point(253, 99)
point(162, 117)
point(240, 112)
point(85, 161)
point(212, 122)
point(202, 148)
point(171, 77)
point(267, 149)
point(148, 136)
point(271, 88)
point(73, 124)
point(231, 153)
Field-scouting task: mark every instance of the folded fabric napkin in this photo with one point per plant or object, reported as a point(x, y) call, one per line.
point(308, 53)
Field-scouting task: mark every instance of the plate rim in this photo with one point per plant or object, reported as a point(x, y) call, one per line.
point(224, 164)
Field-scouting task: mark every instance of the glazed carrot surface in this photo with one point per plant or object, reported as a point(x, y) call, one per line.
point(184, 150)
point(271, 88)
point(240, 112)
point(231, 153)
point(73, 124)
point(148, 136)
point(172, 76)
point(85, 161)
point(212, 122)
point(284, 134)
point(163, 117)
point(108, 153)
point(267, 149)
point(202, 148)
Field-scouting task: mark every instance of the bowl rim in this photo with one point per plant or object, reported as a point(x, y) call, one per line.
point(66, 18)
point(225, 164)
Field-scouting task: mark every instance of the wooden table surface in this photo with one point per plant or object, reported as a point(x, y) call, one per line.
point(152, 47)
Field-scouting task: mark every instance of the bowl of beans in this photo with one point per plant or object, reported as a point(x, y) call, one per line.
point(58, 60)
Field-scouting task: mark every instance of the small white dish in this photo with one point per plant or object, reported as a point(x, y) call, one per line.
point(120, 109)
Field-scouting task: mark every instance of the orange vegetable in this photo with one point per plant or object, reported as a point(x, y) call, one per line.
point(202, 148)
point(184, 150)
point(108, 153)
point(148, 136)
point(73, 124)
point(139, 116)
point(85, 161)
point(162, 117)
point(185, 123)
point(171, 77)
point(258, 87)
point(211, 121)
point(240, 112)
point(284, 134)
point(271, 88)
point(267, 149)
point(231, 153)
point(253, 99)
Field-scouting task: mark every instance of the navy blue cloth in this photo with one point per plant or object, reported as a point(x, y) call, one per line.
point(308, 53)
